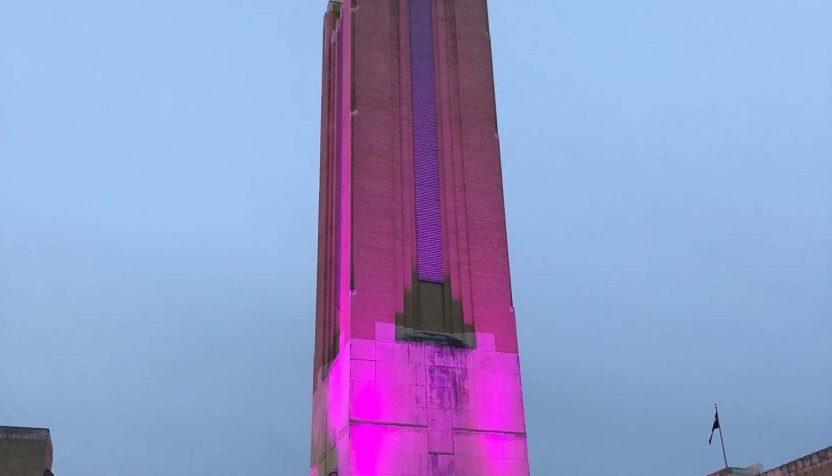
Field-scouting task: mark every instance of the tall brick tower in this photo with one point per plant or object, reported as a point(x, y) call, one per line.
point(416, 366)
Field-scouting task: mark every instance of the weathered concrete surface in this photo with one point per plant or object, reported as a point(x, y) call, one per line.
point(25, 451)
point(426, 409)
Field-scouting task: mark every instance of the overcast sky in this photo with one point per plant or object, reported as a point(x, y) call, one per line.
point(668, 176)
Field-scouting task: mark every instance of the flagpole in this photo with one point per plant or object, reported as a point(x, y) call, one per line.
point(724, 457)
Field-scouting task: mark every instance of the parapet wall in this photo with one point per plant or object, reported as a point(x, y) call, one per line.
point(815, 464)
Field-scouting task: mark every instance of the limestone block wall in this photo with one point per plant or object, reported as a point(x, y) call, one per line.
point(426, 409)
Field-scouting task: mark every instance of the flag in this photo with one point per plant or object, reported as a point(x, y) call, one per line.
point(715, 427)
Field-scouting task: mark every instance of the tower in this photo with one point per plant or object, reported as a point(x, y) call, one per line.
point(416, 367)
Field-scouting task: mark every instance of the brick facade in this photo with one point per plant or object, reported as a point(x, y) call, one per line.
point(416, 373)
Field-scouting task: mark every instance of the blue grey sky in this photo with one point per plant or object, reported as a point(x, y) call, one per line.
point(668, 177)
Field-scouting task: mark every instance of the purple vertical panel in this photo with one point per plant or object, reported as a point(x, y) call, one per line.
point(429, 258)
point(339, 150)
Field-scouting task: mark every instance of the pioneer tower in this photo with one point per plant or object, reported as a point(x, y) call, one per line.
point(416, 362)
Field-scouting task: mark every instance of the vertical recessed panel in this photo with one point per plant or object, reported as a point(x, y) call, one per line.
point(429, 254)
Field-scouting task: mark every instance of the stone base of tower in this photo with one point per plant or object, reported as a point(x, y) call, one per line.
point(423, 409)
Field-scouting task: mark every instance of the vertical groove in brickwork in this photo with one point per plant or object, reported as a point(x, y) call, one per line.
point(429, 253)
point(353, 109)
point(326, 327)
point(329, 283)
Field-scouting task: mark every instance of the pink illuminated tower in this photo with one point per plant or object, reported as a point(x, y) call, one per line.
point(416, 364)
